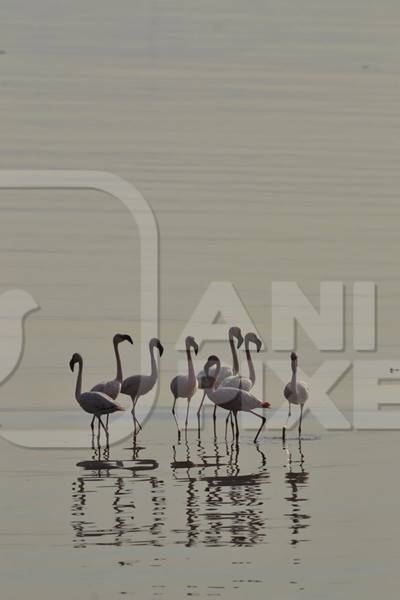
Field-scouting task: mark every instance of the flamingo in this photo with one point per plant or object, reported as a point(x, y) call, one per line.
point(94, 403)
point(139, 385)
point(225, 372)
point(185, 386)
point(295, 392)
point(231, 399)
point(113, 387)
point(239, 381)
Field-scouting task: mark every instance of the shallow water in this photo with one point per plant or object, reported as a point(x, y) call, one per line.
point(203, 517)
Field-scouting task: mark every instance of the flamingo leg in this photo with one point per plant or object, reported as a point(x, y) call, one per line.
point(133, 398)
point(108, 416)
point(92, 428)
point(301, 418)
point(226, 424)
point(98, 431)
point(173, 412)
point(261, 426)
point(285, 425)
point(199, 412)
point(237, 426)
point(136, 419)
point(104, 427)
point(215, 419)
point(187, 413)
point(233, 431)
point(134, 423)
point(201, 405)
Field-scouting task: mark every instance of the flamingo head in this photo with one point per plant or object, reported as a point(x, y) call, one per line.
point(122, 337)
point(191, 343)
point(235, 332)
point(76, 358)
point(252, 337)
point(212, 361)
point(155, 342)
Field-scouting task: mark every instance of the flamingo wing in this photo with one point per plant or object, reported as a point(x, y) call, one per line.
point(287, 392)
point(248, 401)
point(180, 386)
point(222, 375)
point(110, 388)
point(130, 385)
point(98, 403)
point(238, 382)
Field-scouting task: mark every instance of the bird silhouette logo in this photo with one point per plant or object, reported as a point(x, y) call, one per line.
point(15, 305)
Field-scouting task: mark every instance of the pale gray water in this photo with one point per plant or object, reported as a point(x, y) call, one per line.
point(202, 518)
point(265, 137)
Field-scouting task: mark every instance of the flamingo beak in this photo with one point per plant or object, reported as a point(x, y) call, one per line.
point(71, 364)
point(160, 348)
point(259, 344)
point(127, 338)
point(240, 341)
point(196, 348)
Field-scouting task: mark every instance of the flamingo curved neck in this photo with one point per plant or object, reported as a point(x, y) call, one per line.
point(119, 366)
point(212, 390)
point(294, 379)
point(78, 387)
point(235, 362)
point(191, 373)
point(252, 373)
point(154, 371)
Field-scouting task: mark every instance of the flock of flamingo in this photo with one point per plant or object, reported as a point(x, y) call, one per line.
point(224, 386)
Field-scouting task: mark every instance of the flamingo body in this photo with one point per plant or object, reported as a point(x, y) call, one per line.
point(233, 399)
point(297, 396)
point(295, 392)
point(182, 387)
point(237, 381)
point(112, 388)
point(139, 385)
point(185, 386)
point(98, 404)
point(94, 403)
point(225, 373)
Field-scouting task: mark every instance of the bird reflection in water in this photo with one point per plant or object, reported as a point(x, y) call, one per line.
point(296, 478)
point(122, 496)
point(224, 507)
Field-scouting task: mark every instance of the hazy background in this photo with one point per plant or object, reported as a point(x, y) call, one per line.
point(263, 135)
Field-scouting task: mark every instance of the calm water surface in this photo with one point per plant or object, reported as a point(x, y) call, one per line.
point(203, 517)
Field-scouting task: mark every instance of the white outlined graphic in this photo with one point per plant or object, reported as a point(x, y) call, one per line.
point(141, 212)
